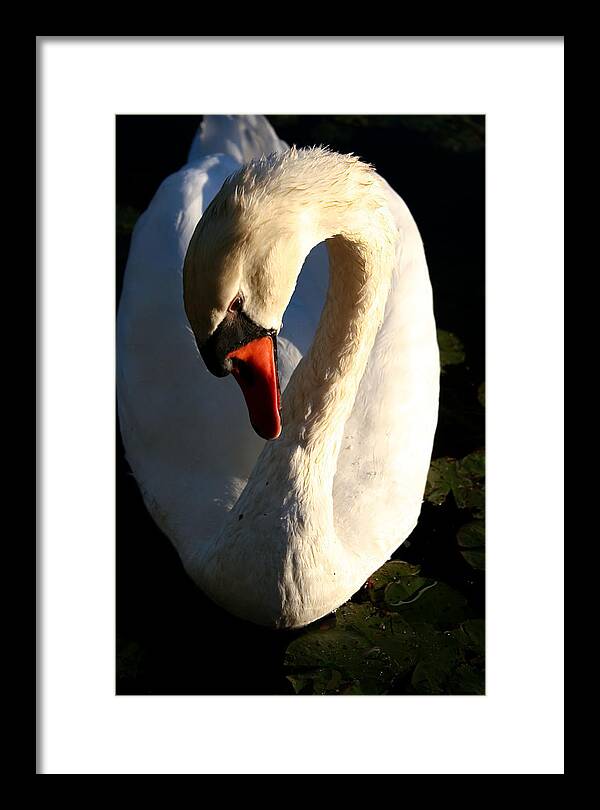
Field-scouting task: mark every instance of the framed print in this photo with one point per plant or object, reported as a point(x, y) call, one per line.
point(183, 183)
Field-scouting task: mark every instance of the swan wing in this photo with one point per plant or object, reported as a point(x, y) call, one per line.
point(185, 432)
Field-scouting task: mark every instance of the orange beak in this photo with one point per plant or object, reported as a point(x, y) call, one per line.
point(254, 367)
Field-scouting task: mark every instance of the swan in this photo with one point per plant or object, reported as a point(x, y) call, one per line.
point(298, 276)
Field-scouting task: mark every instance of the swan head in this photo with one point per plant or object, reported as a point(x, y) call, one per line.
point(239, 275)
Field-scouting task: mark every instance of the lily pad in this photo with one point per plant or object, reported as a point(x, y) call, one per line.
point(468, 487)
point(403, 590)
point(476, 559)
point(452, 662)
point(389, 633)
point(316, 657)
point(473, 465)
point(441, 476)
point(439, 659)
point(391, 570)
point(466, 680)
point(438, 604)
point(481, 394)
point(320, 682)
point(474, 630)
point(471, 535)
point(417, 637)
point(471, 542)
point(452, 352)
point(464, 478)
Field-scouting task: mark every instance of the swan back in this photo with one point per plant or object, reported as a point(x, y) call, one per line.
point(240, 137)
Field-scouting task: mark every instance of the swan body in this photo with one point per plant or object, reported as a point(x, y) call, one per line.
point(320, 252)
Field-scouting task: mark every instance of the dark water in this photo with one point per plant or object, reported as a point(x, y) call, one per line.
point(170, 638)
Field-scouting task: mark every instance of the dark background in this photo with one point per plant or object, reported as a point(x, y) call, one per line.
point(170, 638)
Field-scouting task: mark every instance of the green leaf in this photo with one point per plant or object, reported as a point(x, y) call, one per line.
point(471, 541)
point(438, 605)
point(468, 488)
point(452, 352)
point(476, 559)
point(403, 589)
point(481, 394)
point(353, 689)
point(463, 478)
point(419, 637)
point(440, 479)
point(466, 679)
point(369, 650)
point(298, 683)
point(436, 665)
point(473, 465)
point(471, 535)
point(391, 634)
point(317, 656)
point(391, 571)
point(474, 630)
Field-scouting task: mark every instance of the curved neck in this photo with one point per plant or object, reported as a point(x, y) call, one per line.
point(288, 498)
point(289, 494)
point(361, 239)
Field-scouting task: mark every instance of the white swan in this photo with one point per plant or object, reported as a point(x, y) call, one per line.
point(283, 532)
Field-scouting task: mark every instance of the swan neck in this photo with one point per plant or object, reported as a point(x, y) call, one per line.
point(321, 394)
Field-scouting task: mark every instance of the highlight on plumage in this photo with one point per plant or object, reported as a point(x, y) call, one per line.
point(300, 274)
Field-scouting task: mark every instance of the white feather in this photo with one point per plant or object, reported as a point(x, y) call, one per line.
point(284, 533)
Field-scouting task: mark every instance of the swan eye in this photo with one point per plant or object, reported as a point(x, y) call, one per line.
point(236, 304)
